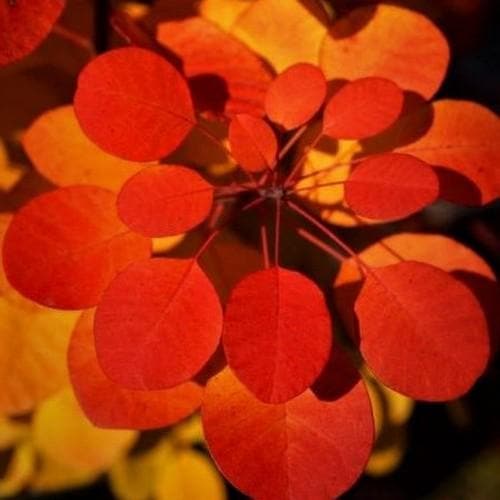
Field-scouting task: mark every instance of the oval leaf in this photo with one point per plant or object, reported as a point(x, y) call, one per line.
point(225, 76)
point(62, 153)
point(165, 200)
point(253, 143)
point(305, 448)
point(157, 324)
point(387, 41)
point(422, 332)
point(362, 108)
point(391, 186)
point(295, 95)
point(274, 343)
point(134, 104)
point(64, 247)
point(109, 405)
point(24, 24)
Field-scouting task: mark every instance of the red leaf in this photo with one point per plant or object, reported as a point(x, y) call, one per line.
point(277, 333)
point(64, 247)
point(305, 448)
point(24, 24)
point(133, 103)
point(390, 42)
point(157, 324)
point(109, 405)
point(165, 200)
point(295, 95)
point(422, 332)
point(253, 143)
point(390, 186)
point(225, 76)
point(362, 108)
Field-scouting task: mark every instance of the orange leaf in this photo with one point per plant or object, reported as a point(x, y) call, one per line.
point(224, 75)
point(390, 42)
point(148, 334)
point(390, 186)
point(422, 332)
point(295, 95)
point(253, 143)
point(62, 153)
point(305, 448)
point(24, 24)
point(137, 118)
point(362, 108)
point(165, 200)
point(64, 247)
point(109, 405)
point(276, 346)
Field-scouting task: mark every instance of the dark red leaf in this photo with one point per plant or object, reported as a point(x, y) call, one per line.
point(165, 200)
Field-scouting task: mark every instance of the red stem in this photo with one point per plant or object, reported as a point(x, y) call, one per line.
point(302, 159)
point(277, 229)
point(320, 244)
point(265, 245)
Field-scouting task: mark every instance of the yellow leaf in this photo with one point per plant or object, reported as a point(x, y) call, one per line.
point(11, 432)
point(189, 475)
point(10, 174)
point(62, 433)
point(284, 34)
point(224, 13)
point(188, 432)
point(388, 452)
point(62, 153)
point(163, 245)
point(19, 470)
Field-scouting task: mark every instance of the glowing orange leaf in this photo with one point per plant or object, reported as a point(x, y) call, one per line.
point(224, 75)
point(275, 345)
point(422, 332)
point(253, 143)
point(62, 153)
point(295, 95)
point(84, 245)
point(24, 24)
point(390, 186)
point(109, 405)
point(390, 42)
point(139, 119)
point(148, 335)
point(165, 200)
point(306, 448)
point(362, 108)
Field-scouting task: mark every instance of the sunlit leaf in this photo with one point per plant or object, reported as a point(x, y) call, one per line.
point(277, 333)
point(148, 334)
point(225, 77)
point(224, 13)
point(62, 433)
point(305, 448)
point(109, 405)
point(62, 153)
point(253, 143)
point(391, 185)
point(24, 24)
point(422, 332)
point(139, 119)
point(19, 470)
point(64, 247)
point(10, 174)
point(389, 42)
point(283, 36)
point(389, 453)
point(362, 108)
point(165, 200)
point(295, 95)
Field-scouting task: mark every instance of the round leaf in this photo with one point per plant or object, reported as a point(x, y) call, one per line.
point(24, 24)
point(362, 108)
point(165, 200)
point(390, 186)
point(422, 332)
point(64, 247)
point(253, 143)
point(295, 95)
point(157, 324)
point(134, 104)
point(387, 41)
point(109, 405)
point(277, 333)
point(305, 448)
